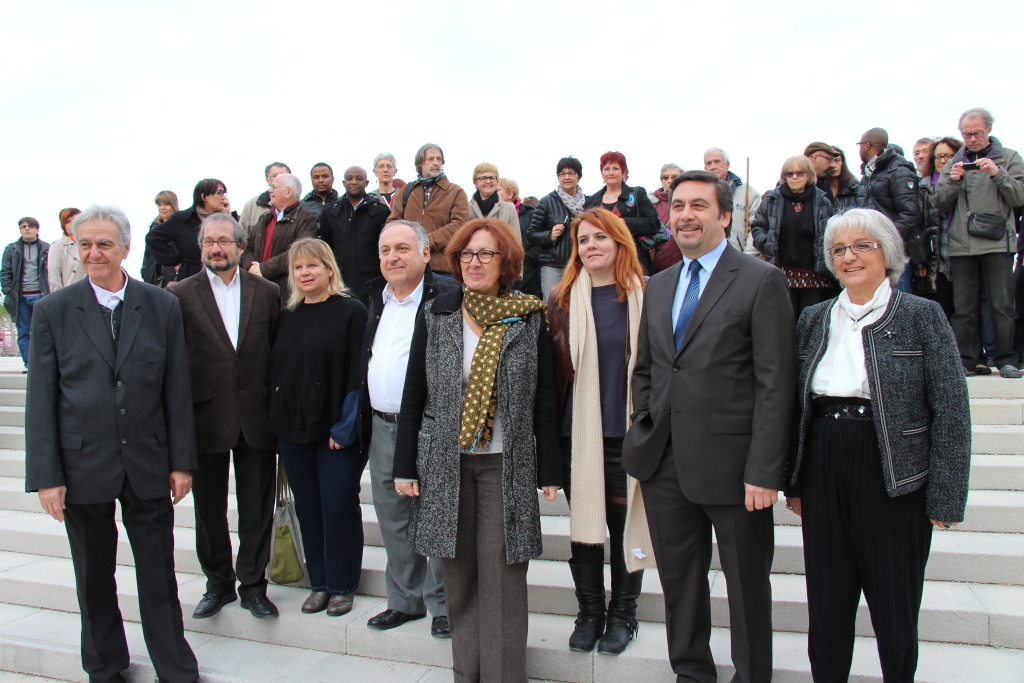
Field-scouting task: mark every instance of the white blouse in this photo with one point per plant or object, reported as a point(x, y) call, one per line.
point(842, 371)
point(469, 342)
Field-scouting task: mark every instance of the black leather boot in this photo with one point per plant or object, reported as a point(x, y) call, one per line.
point(589, 580)
point(622, 625)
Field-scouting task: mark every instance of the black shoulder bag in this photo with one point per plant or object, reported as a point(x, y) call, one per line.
point(987, 226)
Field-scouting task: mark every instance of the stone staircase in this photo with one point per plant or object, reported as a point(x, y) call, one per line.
point(972, 617)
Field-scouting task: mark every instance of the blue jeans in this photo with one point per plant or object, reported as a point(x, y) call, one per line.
point(326, 487)
point(24, 322)
point(904, 284)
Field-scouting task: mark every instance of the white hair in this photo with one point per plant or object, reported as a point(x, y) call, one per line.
point(709, 150)
point(671, 165)
point(105, 213)
point(422, 240)
point(984, 114)
point(877, 227)
point(293, 183)
point(385, 155)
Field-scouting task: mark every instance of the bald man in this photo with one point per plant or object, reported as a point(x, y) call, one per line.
point(889, 185)
point(351, 225)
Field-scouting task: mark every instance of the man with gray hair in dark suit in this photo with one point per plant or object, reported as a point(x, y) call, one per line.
point(109, 418)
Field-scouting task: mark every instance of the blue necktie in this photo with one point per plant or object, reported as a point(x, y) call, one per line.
point(689, 302)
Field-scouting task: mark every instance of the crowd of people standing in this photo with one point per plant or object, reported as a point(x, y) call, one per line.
point(472, 349)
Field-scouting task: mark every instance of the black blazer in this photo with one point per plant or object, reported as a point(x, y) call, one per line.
point(352, 234)
point(93, 417)
point(230, 387)
point(726, 406)
point(637, 212)
point(431, 288)
point(176, 241)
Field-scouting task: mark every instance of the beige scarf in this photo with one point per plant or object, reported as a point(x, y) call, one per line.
point(587, 521)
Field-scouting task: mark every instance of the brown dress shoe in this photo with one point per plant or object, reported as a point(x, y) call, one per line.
point(340, 604)
point(316, 602)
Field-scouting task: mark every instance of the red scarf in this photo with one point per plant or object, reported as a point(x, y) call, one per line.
point(268, 234)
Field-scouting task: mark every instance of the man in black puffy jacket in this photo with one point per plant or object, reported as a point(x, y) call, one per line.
point(889, 185)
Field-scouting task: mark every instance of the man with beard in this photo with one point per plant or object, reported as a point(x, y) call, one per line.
point(434, 202)
point(350, 226)
point(323, 192)
point(230, 319)
point(702, 319)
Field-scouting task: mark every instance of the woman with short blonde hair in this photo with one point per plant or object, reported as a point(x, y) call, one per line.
point(789, 229)
point(486, 202)
point(315, 380)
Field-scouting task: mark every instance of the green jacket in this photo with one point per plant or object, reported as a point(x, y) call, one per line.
point(998, 194)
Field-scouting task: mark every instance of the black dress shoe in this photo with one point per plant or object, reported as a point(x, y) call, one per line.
point(211, 604)
point(260, 606)
point(439, 628)
point(391, 618)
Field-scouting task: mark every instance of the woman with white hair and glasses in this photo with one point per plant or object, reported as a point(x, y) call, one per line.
point(881, 453)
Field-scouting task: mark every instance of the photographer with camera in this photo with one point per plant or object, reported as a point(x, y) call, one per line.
point(981, 185)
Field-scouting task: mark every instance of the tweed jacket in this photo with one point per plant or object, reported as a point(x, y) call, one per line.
point(427, 446)
point(918, 395)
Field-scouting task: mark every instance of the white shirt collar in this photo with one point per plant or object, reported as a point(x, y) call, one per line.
point(417, 294)
point(216, 281)
point(108, 298)
point(709, 260)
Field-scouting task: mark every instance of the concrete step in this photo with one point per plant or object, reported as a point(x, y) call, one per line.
point(46, 642)
point(12, 416)
point(12, 437)
point(994, 386)
point(997, 411)
point(977, 614)
point(12, 463)
point(15, 381)
point(12, 397)
point(963, 556)
point(997, 439)
point(997, 472)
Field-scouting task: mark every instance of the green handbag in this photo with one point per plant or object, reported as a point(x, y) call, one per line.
point(287, 563)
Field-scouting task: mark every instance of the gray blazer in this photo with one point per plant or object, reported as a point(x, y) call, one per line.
point(93, 417)
point(725, 399)
point(918, 396)
point(427, 444)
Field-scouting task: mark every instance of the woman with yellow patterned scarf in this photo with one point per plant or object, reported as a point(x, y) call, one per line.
point(477, 436)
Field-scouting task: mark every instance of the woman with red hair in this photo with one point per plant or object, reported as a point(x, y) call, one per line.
point(631, 204)
point(64, 266)
point(595, 319)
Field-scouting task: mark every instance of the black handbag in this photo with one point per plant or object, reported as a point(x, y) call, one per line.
point(987, 226)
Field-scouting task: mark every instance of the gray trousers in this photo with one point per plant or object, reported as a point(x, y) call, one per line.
point(413, 582)
point(549, 277)
point(487, 597)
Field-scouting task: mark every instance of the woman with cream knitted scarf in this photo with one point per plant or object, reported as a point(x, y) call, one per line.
point(594, 315)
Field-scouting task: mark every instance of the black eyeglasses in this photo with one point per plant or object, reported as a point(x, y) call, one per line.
point(224, 243)
point(856, 248)
point(484, 255)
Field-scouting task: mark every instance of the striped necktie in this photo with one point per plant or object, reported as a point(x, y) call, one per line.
point(689, 302)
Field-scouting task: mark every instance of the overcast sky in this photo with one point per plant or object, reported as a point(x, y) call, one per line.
point(112, 101)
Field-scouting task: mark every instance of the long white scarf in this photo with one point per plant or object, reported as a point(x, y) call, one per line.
point(587, 521)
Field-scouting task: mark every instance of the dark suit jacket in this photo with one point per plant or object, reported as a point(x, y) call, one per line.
point(352, 234)
point(727, 396)
point(230, 387)
point(93, 417)
point(296, 223)
point(431, 288)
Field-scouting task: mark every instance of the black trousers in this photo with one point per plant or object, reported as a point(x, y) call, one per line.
point(995, 271)
point(93, 537)
point(858, 538)
point(255, 485)
point(681, 532)
point(614, 504)
point(801, 298)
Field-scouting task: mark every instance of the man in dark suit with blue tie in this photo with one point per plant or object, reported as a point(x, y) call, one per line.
point(713, 394)
point(109, 418)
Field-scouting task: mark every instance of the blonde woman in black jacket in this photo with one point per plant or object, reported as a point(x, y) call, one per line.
point(882, 448)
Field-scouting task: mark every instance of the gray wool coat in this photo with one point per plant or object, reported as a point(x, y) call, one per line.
point(427, 444)
point(918, 395)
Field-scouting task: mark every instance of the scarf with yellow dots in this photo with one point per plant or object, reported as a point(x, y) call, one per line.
point(494, 314)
